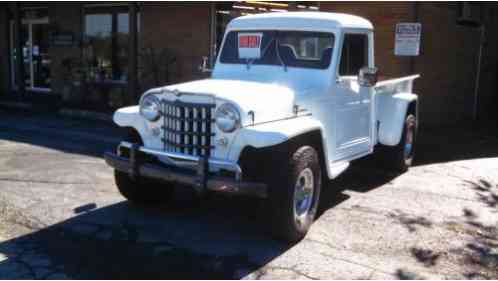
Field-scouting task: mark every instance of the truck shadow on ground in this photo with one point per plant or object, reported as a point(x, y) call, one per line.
point(190, 239)
point(217, 238)
point(123, 241)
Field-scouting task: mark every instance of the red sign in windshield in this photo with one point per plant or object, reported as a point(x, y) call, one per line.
point(249, 41)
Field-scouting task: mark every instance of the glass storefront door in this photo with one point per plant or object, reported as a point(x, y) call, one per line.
point(35, 42)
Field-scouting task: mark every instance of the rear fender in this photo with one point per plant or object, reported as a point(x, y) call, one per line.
point(391, 113)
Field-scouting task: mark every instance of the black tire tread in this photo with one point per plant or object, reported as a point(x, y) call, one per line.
point(282, 193)
point(393, 156)
point(142, 191)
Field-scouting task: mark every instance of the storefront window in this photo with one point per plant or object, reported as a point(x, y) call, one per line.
point(35, 55)
point(106, 45)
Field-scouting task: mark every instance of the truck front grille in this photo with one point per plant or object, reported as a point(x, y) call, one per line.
point(188, 127)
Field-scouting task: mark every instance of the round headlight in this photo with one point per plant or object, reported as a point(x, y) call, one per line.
point(227, 118)
point(150, 107)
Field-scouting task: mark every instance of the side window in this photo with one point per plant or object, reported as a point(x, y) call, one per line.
point(354, 54)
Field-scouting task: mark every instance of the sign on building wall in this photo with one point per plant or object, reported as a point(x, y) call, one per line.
point(407, 41)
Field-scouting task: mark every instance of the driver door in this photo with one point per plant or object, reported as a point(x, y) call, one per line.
point(353, 114)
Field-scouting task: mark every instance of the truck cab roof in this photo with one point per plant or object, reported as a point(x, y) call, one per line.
point(300, 21)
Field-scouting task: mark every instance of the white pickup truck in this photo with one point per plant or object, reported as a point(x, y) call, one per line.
point(292, 100)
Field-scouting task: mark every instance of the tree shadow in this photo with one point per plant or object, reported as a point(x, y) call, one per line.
point(485, 192)
point(480, 254)
point(478, 257)
point(403, 274)
point(425, 256)
point(410, 222)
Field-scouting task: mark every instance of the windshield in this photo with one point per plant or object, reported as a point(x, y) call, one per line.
point(295, 48)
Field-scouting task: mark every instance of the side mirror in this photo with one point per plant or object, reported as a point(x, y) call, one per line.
point(367, 76)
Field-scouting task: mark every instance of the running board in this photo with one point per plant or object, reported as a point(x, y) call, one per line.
point(335, 169)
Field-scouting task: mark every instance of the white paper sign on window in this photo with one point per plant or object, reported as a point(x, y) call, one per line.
point(250, 45)
point(407, 42)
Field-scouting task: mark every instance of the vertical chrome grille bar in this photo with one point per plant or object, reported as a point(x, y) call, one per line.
point(177, 129)
point(194, 130)
point(182, 129)
point(191, 130)
point(209, 139)
point(203, 130)
point(170, 126)
point(167, 127)
point(187, 128)
point(199, 131)
point(163, 113)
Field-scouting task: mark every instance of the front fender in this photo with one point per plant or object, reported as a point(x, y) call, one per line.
point(391, 113)
point(130, 117)
point(271, 133)
point(127, 116)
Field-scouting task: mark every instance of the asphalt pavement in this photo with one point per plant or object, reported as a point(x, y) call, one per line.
point(62, 217)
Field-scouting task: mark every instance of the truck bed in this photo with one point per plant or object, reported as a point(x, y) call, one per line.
point(396, 85)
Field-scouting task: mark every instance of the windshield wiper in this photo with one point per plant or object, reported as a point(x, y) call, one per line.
point(277, 47)
point(249, 62)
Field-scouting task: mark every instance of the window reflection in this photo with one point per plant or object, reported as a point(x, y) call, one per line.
point(106, 45)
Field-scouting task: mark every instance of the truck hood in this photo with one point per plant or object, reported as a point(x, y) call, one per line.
point(268, 101)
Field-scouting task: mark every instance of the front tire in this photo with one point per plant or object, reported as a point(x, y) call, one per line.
point(142, 191)
point(294, 197)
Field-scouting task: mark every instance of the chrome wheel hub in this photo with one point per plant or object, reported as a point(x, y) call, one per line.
point(409, 140)
point(303, 195)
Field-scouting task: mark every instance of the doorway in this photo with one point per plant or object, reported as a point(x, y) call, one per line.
point(35, 56)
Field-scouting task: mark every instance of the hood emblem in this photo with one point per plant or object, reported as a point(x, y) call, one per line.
point(176, 93)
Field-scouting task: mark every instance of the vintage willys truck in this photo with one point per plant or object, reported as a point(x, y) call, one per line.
point(292, 100)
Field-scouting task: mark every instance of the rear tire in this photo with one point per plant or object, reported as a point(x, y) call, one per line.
point(400, 157)
point(294, 195)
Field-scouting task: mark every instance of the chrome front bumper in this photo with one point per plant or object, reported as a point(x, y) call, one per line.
point(174, 170)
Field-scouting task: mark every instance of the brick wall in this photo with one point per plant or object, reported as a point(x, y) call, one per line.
point(384, 17)
point(448, 64)
point(448, 59)
point(182, 30)
point(488, 90)
point(65, 17)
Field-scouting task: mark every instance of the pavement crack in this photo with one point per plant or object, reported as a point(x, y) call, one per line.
point(294, 270)
point(341, 259)
point(42, 181)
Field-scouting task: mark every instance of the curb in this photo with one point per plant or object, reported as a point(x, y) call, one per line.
point(16, 105)
point(67, 112)
point(85, 114)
